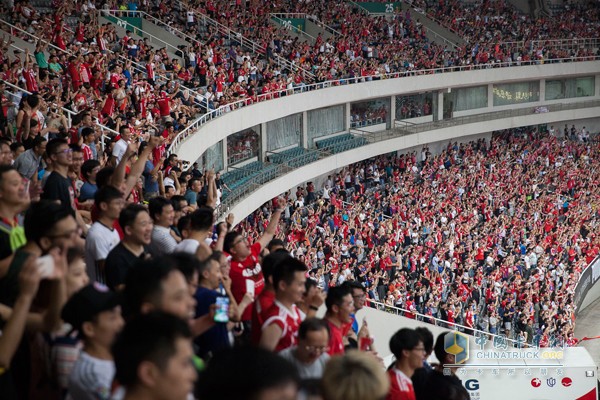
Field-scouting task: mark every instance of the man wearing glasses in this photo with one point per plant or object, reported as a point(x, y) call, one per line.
point(408, 348)
point(58, 185)
point(310, 355)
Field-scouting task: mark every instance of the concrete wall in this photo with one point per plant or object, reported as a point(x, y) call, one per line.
point(162, 34)
point(219, 128)
point(314, 30)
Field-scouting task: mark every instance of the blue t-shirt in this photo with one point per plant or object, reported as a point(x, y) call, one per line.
point(87, 191)
point(216, 338)
point(150, 184)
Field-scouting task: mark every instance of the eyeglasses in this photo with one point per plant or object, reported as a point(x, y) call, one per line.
point(317, 349)
point(65, 151)
point(67, 235)
point(243, 239)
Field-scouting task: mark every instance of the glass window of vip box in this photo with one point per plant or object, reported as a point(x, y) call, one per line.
point(570, 88)
point(516, 93)
point(243, 145)
point(468, 98)
point(414, 105)
point(213, 157)
point(370, 113)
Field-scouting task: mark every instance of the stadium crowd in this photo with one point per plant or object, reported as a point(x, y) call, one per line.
point(452, 237)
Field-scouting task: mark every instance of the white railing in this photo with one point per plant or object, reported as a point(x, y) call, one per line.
point(224, 109)
point(440, 322)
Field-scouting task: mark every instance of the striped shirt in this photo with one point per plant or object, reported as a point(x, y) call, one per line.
point(91, 378)
point(162, 241)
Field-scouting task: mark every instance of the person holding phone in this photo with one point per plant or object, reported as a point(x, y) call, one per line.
point(216, 338)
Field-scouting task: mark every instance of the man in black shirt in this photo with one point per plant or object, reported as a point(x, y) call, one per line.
point(137, 230)
point(58, 186)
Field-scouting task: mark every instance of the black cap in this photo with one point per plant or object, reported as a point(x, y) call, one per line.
point(87, 303)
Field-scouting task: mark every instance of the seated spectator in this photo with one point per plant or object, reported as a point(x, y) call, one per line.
point(137, 233)
point(281, 381)
point(354, 376)
point(282, 319)
point(163, 240)
point(152, 358)
point(95, 313)
point(310, 354)
point(102, 236)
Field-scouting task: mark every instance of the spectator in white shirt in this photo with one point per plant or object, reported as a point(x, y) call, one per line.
point(163, 213)
point(102, 236)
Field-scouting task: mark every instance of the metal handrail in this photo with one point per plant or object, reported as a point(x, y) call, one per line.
point(294, 28)
point(70, 113)
point(247, 43)
point(162, 24)
point(116, 13)
point(312, 18)
point(36, 38)
point(224, 109)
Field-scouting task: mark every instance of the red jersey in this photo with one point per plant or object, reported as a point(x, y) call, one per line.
point(163, 105)
point(261, 304)
point(243, 270)
point(30, 81)
point(87, 152)
point(288, 320)
point(401, 387)
point(336, 338)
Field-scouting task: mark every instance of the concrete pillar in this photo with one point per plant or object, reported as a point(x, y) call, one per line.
point(224, 152)
point(304, 133)
point(392, 111)
point(263, 142)
point(542, 90)
point(440, 105)
point(348, 117)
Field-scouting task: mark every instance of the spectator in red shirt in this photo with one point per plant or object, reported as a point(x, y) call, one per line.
point(245, 265)
point(340, 307)
point(282, 319)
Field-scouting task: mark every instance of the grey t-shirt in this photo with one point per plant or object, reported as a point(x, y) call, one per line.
point(311, 371)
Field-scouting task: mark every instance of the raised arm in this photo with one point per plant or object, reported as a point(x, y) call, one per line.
point(273, 223)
